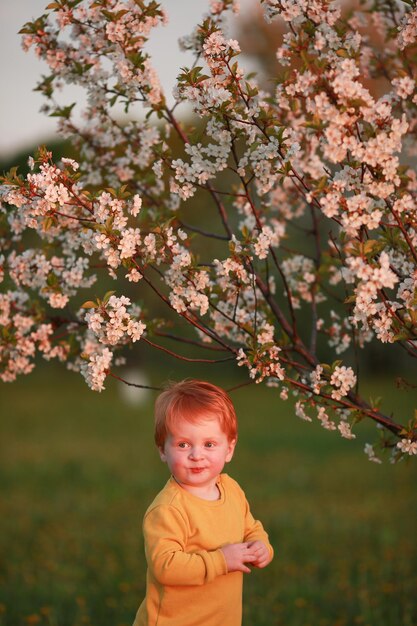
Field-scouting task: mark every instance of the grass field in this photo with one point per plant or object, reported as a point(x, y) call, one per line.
point(78, 470)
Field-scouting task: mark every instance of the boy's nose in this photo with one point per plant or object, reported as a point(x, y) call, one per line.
point(196, 453)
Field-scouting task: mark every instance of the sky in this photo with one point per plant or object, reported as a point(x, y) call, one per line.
point(21, 123)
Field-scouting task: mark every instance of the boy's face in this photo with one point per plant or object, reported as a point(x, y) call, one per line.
point(196, 454)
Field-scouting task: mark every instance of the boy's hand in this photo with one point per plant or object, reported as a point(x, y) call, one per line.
point(261, 553)
point(237, 554)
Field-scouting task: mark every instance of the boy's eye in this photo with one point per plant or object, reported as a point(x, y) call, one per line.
point(209, 444)
point(182, 444)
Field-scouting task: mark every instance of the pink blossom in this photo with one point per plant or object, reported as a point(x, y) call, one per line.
point(404, 86)
point(58, 300)
point(370, 452)
point(214, 44)
point(134, 275)
point(136, 205)
point(407, 446)
point(408, 30)
point(345, 430)
point(342, 379)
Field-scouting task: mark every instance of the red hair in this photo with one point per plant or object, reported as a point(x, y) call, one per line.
point(193, 400)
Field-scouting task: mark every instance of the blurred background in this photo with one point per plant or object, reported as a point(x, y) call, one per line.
point(22, 124)
point(78, 469)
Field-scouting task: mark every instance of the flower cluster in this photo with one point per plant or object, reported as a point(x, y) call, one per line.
point(112, 323)
point(343, 379)
point(96, 369)
point(263, 364)
point(23, 336)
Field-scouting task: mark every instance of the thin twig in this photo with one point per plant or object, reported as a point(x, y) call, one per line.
point(199, 344)
point(184, 358)
point(110, 373)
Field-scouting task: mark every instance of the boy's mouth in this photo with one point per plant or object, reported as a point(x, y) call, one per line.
point(197, 470)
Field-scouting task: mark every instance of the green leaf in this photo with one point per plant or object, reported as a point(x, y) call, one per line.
point(46, 86)
point(322, 183)
point(251, 91)
point(52, 280)
point(47, 224)
point(64, 112)
point(342, 53)
point(89, 305)
point(107, 296)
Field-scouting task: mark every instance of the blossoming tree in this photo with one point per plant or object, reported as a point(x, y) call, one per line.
point(303, 242)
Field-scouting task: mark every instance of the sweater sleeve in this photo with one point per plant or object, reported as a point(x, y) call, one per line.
point(254, 531)
point(165, 532)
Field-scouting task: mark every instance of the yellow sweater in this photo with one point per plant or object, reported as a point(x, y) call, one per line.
point(187, 579)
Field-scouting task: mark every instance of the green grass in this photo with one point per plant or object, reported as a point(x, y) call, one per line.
point(78, 470)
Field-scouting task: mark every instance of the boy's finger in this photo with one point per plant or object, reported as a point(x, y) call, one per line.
point(258, 549)
point(250, 558)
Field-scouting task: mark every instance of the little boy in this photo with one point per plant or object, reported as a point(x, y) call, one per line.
point(199, 533)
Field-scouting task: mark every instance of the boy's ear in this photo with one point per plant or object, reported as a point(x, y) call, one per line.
point(231, 449)
point(162, 453)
